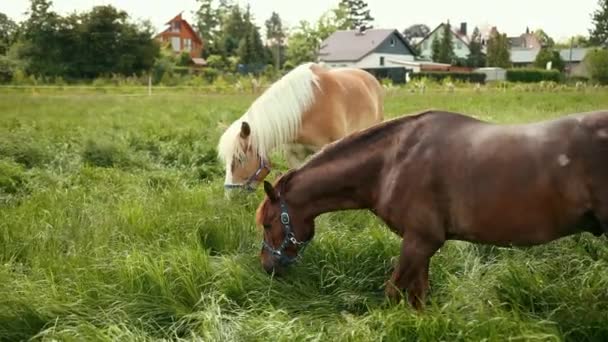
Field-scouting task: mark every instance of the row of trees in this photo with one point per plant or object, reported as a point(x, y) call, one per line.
point(231, 34)
point(80, 46)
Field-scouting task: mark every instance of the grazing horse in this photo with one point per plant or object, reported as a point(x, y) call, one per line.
point(306, 109)
point(439, 176)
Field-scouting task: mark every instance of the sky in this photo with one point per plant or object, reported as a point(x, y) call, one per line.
point(560, 19)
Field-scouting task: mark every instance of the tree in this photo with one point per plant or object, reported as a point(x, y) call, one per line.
point(275, 35)
point(416, 31)
point(476, 58)
point(87, 45)
point(206, 18)
point(443, 48)
point(597, 64)
point(544, 38)
point(498, 51)
point(577, 41)
point(599, 33)
point(435, 49)
point(546, 55)
point(357, 14)
point(303, 44)
point(8, 31)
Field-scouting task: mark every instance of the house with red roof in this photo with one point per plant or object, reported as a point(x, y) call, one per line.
point(181, 37)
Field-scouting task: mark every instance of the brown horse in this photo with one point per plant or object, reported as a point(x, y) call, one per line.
point(441, 176)
point(306, 109)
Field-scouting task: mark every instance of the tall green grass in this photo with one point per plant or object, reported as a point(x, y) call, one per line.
point(114, 226)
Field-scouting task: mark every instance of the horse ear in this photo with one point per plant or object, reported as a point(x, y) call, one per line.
point(270, 192)
point(245, 130)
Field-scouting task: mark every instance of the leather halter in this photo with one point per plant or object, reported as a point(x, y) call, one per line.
point(290, 237)
point(264, 165)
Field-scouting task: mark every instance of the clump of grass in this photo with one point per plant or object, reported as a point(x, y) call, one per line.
point(102, 154)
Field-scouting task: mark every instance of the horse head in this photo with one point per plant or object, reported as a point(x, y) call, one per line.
point(245, 169)
point(286, 233)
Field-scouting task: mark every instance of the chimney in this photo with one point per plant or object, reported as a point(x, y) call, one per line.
point(463, 29)
point(361, 30)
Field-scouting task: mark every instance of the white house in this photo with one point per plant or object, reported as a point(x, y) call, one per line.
point(365, 49)
point(459, 39)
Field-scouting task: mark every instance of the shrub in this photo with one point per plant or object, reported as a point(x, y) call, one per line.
point(597, 63)
point(533, 75)
point(456, 76)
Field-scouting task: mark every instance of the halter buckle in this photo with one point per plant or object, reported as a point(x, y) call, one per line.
point(285, 218)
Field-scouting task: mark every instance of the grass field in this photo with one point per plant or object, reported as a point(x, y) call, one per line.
point(113, 226)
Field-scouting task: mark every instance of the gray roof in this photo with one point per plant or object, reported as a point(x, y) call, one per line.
point(578, 54)
point(352, 45)
point(529, 55)
point(523, 55)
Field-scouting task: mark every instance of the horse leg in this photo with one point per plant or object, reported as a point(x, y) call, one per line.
point(412, 272)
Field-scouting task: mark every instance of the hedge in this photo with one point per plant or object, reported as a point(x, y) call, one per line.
point(533, 75)
point(456, 76)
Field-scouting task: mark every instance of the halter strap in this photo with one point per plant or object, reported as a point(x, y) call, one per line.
point(247, 185)
point(290, 237)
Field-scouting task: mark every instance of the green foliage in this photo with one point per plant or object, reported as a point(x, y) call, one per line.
point(435, 49)
point(275, 34)
point(599, 32)
point(476, 57)
point(8, 33)
point(206, 19)
point(102, 154)
point(357, 14)
point(544, 38)
point(533, 75)
point(8, 68)
point(546, 55)
point(12, 178)
point(87, 45)
point(416, 31)
point(446, 45)
point(303, 44)
point(439, 76)
point(597, 64)
point(498, 51)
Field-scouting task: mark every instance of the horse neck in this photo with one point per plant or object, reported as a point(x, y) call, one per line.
point(339, 184)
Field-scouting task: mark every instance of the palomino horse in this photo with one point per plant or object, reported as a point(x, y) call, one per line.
point(303, 111)
point(441, 176)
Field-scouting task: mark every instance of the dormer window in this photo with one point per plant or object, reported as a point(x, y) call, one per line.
point(392, 41)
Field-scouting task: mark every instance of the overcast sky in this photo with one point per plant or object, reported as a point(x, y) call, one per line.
point(558, 18)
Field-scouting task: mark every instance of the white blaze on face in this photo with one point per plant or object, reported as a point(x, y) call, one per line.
point(228, 179)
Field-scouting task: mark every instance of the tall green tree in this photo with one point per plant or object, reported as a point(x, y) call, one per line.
point(476, 58)
point(498, 51)
point(597, 63)
point(42, 48)
point(446, 45)
point(357, 14)
point(206, 18)
point(275, 34)
point(435, 49)
point(599, 32)
point(8, 32)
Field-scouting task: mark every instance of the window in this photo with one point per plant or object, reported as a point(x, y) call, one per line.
point(175, 44)
point(188, 44)
point(459, 45)
point(175, 26)
point(392, 41)
point(381, 61)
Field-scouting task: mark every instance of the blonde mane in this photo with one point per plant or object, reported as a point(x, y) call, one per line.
point(275, 117)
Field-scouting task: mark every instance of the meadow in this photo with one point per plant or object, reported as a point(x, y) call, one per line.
point(114, 227)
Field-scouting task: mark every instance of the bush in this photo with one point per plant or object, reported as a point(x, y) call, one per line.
point(533, 75)
point(597, 63)
point(456, 76)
